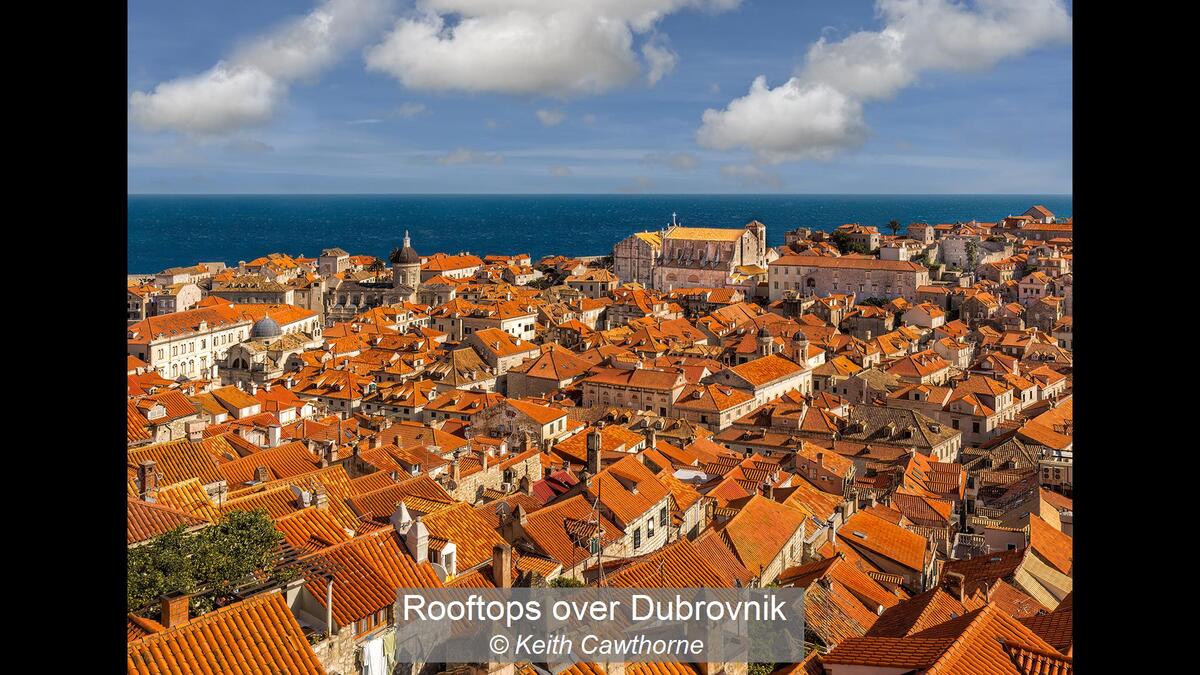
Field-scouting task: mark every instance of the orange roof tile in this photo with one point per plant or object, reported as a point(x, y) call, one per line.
point(258, 635)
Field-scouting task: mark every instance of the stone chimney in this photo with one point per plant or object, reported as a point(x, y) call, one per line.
point(261, 475)
point(195, 430)
point(253, 388)
point(593, 452)
point(174, 611)
point(454, 470)
point(147, 481)
point(375, 441)
point(417, 541)
point(955, 585)
point(321, 497)
point(274, 435)
point(821, 460)
point(651, 437)
point(502, 565)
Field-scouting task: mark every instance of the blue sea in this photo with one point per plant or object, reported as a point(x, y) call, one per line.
point(170, 230)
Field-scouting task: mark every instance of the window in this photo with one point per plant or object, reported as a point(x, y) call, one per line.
point(650, 528)
point(975, 427)
point(637, 539)
point(662, 516)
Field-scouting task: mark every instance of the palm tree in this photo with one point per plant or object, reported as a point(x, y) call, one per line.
point(376, 267)
point(394, 256)
point(894, 226)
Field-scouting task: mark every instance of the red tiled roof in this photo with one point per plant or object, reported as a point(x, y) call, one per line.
point(256, 636)
point(145, 520)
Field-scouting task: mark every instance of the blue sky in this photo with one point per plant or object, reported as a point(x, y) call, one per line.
point(367, 104)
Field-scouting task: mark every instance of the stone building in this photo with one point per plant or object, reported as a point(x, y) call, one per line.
point(347, 299)
point(865, 277)
point(707, 256)
point(635, 257)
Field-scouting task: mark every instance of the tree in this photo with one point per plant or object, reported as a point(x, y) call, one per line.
point(213, 562)
point(894, 226)
point(972, 254)
point(394, 256)
point(566, 582)
point(376, 267)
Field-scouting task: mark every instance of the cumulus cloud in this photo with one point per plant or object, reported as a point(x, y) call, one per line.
point(819, 112)
point(551, 118)
point(682, 161)
point(560, 171)
point(751, 175)
point(466, 156)
point(659, 58)
point(248, 87)
point(555, 47)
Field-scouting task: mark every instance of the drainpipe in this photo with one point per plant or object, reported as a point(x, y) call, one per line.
point(329, 608)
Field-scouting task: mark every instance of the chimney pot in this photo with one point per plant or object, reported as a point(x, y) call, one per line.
point(502, 565)
point(175, 611)
point(147, 481)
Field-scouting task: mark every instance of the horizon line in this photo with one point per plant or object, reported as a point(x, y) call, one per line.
point(598, 194)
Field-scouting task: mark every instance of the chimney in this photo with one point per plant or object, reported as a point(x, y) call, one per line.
point(195, 430)
point(768, 490)
point(526, 486)
point(593, 452)
point(955, 584)
point(454, 470)
point(321, 497)
point(375, 442)
point(401, 521)
point(417, 541)
point(174, 611)
point(147, 481)
point(651, 437)
point(266, 386)
point(261, 475)
point(483, 459)
point(253, 388)
point(502, 565)
point(274, 435)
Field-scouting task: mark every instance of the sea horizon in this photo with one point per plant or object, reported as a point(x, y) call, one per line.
point(169, 230)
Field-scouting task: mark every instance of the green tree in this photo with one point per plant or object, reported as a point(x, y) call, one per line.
point(972, 254)
point(894, 226)
point(213, 562)
point(566, 582)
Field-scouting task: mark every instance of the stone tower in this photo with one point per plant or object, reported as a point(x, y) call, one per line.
point(406, 269)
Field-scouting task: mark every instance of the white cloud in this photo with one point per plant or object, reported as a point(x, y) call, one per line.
point(369, 120)
point(659, 57)
point(466, 156)
point(751, 175)
point(551, 118)
point(247, 88)
point(407, 110)
point(682, 161)
point(589, 119)
point(560, 171)
point(555, 47)
point(820, 111)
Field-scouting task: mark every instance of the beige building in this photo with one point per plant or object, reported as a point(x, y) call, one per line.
point(635, 256)
point(865, 277)
point(707, 256)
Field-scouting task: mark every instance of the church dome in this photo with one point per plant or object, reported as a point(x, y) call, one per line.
point(266, 327)
point(407, 255)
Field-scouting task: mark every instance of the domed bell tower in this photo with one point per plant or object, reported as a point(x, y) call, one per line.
point(406, 266)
